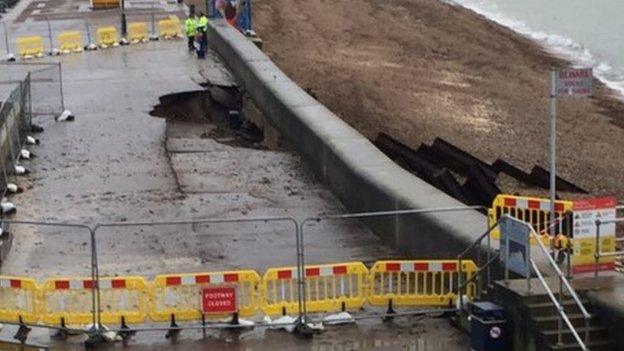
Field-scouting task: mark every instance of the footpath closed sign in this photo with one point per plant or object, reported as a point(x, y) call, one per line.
point(217, 300)
point(585, 213)
point(574, 82)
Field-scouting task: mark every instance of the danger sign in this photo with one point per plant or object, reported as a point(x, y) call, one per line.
point(219, 300)
point(574, 82)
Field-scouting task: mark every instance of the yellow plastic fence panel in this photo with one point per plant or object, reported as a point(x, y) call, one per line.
point(137, 31)
point(329, 287)
point(70, 41)
point(18, 298)
point(535, 211)
point(107, 36)
point(430, 283)
point(169, 28)
point(30, 46)
point(124, 299)
point(69, 300)
point(180, 295)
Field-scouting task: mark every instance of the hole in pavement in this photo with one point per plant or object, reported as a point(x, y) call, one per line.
point(214, 113)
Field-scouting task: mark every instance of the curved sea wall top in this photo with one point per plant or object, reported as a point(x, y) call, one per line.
point(360, 175)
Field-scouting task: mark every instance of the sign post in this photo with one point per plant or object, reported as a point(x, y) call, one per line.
point(568, 82)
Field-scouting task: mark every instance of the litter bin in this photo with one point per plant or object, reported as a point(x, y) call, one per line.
point(488, 327)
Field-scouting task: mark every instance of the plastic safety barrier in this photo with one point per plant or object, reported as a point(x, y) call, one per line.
point(68, 301)
point(107, 36)
point(169, 28)
point(18, 300)
point(70, 41)
point(124, 300)
point(417, 283)
point(31, 46)
point(534, 211)
point(137, 32)
point(330, 287)
point(179, 296)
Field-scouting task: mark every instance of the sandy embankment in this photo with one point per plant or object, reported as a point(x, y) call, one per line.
point(420, 69)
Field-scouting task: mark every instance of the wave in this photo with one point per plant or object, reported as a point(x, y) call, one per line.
point(561, 46)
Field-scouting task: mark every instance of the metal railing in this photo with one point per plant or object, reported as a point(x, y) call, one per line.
point(461, 286)
point(563, 282)
point(598, 254)
point(99, 282)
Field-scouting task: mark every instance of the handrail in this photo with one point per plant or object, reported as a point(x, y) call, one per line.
point(597, 251)
point(476, 243)
point(478, 240)
point(562, 281)
point(560, 310)
point(478, 271)
point(562, 277)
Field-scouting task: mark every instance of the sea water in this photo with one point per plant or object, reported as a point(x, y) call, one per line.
point(589, 33)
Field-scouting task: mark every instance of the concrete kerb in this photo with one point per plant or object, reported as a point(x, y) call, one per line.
point(357, 172)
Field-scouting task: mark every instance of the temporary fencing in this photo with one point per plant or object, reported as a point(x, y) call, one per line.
point(18, 300)
point(329, 288)
point(107, 36)
point(179, 296)
point(418, 283)
point(15, 123)
point(534, 211)
point(70, 41)
point(211, 295)
point(183, 296)
point(137, 32)
point(67, 301)
point(169, 28)
point(30, 46)
point(45, 87)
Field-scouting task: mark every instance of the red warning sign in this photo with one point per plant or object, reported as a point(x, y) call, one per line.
point(219, 300)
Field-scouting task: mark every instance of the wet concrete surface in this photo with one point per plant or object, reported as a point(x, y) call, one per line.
point(117, 163)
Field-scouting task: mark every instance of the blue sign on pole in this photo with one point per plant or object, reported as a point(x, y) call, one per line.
point(515, 246)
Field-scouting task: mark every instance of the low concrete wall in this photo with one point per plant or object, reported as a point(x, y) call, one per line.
point(360, 175)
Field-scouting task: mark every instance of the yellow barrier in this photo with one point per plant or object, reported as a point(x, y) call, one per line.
point(124, 300)
point(179, 295)
point(418, 283)
point(329, 287)
point(70, 41)
point(534, 211)
point(169, 28)
point(69, 300)
point(137, 32)
point(66, 301)
point(104, 4)
point(18, 300)
point(30, 46)
point(107, 36)
point(185, 297)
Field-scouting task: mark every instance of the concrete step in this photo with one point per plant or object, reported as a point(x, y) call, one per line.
point(548, 308)
point(596, 333)
point(593, 345)
point(551, 321)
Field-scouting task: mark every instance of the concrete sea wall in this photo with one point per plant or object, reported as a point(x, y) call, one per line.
point(360, 175)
